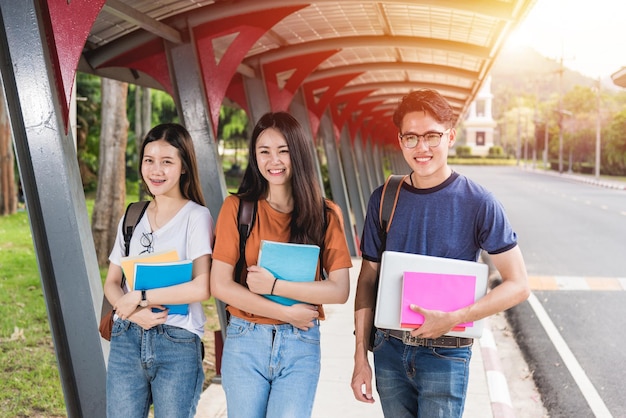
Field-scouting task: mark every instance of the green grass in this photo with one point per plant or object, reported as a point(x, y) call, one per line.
point(480, 161)
point(29, 378)
point(31, 385)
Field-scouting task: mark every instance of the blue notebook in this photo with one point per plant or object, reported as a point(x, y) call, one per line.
point(155, 275)
point(288, 261)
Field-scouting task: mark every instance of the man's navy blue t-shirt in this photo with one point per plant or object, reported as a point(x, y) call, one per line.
point(456, 219)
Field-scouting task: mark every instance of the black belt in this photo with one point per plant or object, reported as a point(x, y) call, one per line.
point(445, 341)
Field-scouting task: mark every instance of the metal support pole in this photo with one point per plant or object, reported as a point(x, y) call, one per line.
point(60, 227)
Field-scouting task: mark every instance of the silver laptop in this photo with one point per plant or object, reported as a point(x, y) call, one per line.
point(392, 268)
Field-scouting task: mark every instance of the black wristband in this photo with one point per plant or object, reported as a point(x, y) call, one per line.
point(272, 291)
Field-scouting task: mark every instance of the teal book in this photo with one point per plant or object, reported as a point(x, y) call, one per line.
point(288, 261)
point(155, 275)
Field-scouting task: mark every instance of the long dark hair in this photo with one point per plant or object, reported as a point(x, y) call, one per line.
point(307, 218)
point(178, 137)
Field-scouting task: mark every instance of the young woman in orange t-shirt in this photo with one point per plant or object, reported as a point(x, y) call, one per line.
point(271, 357)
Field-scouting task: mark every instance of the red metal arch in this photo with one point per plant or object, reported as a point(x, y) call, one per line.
point(344, 106)
point(300, 67)
point(217, 73)
point(317, 103)
point(148, 58)
point(68, 29)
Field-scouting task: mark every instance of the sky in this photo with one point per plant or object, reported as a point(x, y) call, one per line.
point(589, 35)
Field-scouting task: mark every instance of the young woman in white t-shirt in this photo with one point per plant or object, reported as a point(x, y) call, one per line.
point(156, 357)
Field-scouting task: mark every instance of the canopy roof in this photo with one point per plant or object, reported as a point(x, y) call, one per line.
point(350, 60)
point(619, 77)
point(362, 55)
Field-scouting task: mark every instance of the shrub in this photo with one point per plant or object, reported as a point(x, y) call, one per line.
point(496, 151)
point(463, 151)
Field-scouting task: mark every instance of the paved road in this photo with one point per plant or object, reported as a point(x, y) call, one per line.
point(573, 236)
point(565, 228)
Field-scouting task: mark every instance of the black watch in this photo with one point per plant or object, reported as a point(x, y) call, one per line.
point(144, 301)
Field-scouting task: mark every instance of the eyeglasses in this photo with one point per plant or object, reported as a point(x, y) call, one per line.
point(146, 241)
point(431, 138)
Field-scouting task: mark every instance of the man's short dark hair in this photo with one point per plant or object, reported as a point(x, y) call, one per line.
point(426, 100)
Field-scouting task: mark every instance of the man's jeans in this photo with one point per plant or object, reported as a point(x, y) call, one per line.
point(270, 370)
point(420, 382)
point(162, 365)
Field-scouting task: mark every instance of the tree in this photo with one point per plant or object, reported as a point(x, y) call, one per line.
point(143, 116)
point(232, 129)
point(8, 197)
point(517, 126)
point(145, 108)
point(111, 193)
point(580, 127)
point(615, 150)
point(88, 128)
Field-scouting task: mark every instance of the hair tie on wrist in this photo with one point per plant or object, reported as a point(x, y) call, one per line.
point(272, 291)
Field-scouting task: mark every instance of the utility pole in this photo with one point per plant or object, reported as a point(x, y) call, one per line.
point(526, 141)
point(518, 147)
point(560, 120)
point(598, 132)
point(536, 122)
point(545, 144)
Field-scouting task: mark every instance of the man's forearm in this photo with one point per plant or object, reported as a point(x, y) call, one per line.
point(366, 286)
point(363, 320)
point(364, 304)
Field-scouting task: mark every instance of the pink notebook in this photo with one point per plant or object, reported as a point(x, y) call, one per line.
point(442, 292)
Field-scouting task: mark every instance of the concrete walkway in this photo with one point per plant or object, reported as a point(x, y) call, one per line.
point(487, 396)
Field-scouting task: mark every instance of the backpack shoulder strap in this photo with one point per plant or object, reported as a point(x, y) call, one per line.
point(133, 215)
point(246, 216)
point(322, 248)
point(134, 212)
point(389, 199)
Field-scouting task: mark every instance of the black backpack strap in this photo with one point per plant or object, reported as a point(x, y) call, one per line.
point(134, 212)
point(322, 271)
point(246, 216)
point(133, 215)
point(389, 199)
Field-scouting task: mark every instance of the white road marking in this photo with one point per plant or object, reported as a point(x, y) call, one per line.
point(590, 393)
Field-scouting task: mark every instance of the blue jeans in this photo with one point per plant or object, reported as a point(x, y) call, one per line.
point(420, 382)
point(270, 370)
point(162, 365)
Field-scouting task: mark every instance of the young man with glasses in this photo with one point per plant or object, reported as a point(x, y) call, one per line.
point(439, 213)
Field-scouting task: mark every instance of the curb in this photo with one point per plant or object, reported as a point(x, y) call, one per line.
point(499, 395)
point(608, 184)
point(595, 182)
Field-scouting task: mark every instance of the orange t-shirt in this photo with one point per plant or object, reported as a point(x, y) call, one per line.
point(274, 226)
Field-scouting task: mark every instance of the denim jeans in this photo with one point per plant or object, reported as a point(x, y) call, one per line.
point(420, 382)
point(162, 365)
point(270, 370)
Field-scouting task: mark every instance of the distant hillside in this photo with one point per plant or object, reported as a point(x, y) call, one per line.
point(525, 72)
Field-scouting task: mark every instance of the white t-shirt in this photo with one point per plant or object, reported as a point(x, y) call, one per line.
point(190, 232)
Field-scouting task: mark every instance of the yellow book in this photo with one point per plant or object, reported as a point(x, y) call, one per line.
point(128, 263)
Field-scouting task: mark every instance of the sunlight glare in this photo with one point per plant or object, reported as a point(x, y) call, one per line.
point(589, 36)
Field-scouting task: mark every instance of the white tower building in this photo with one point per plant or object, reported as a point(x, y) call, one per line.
point(479, 125)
